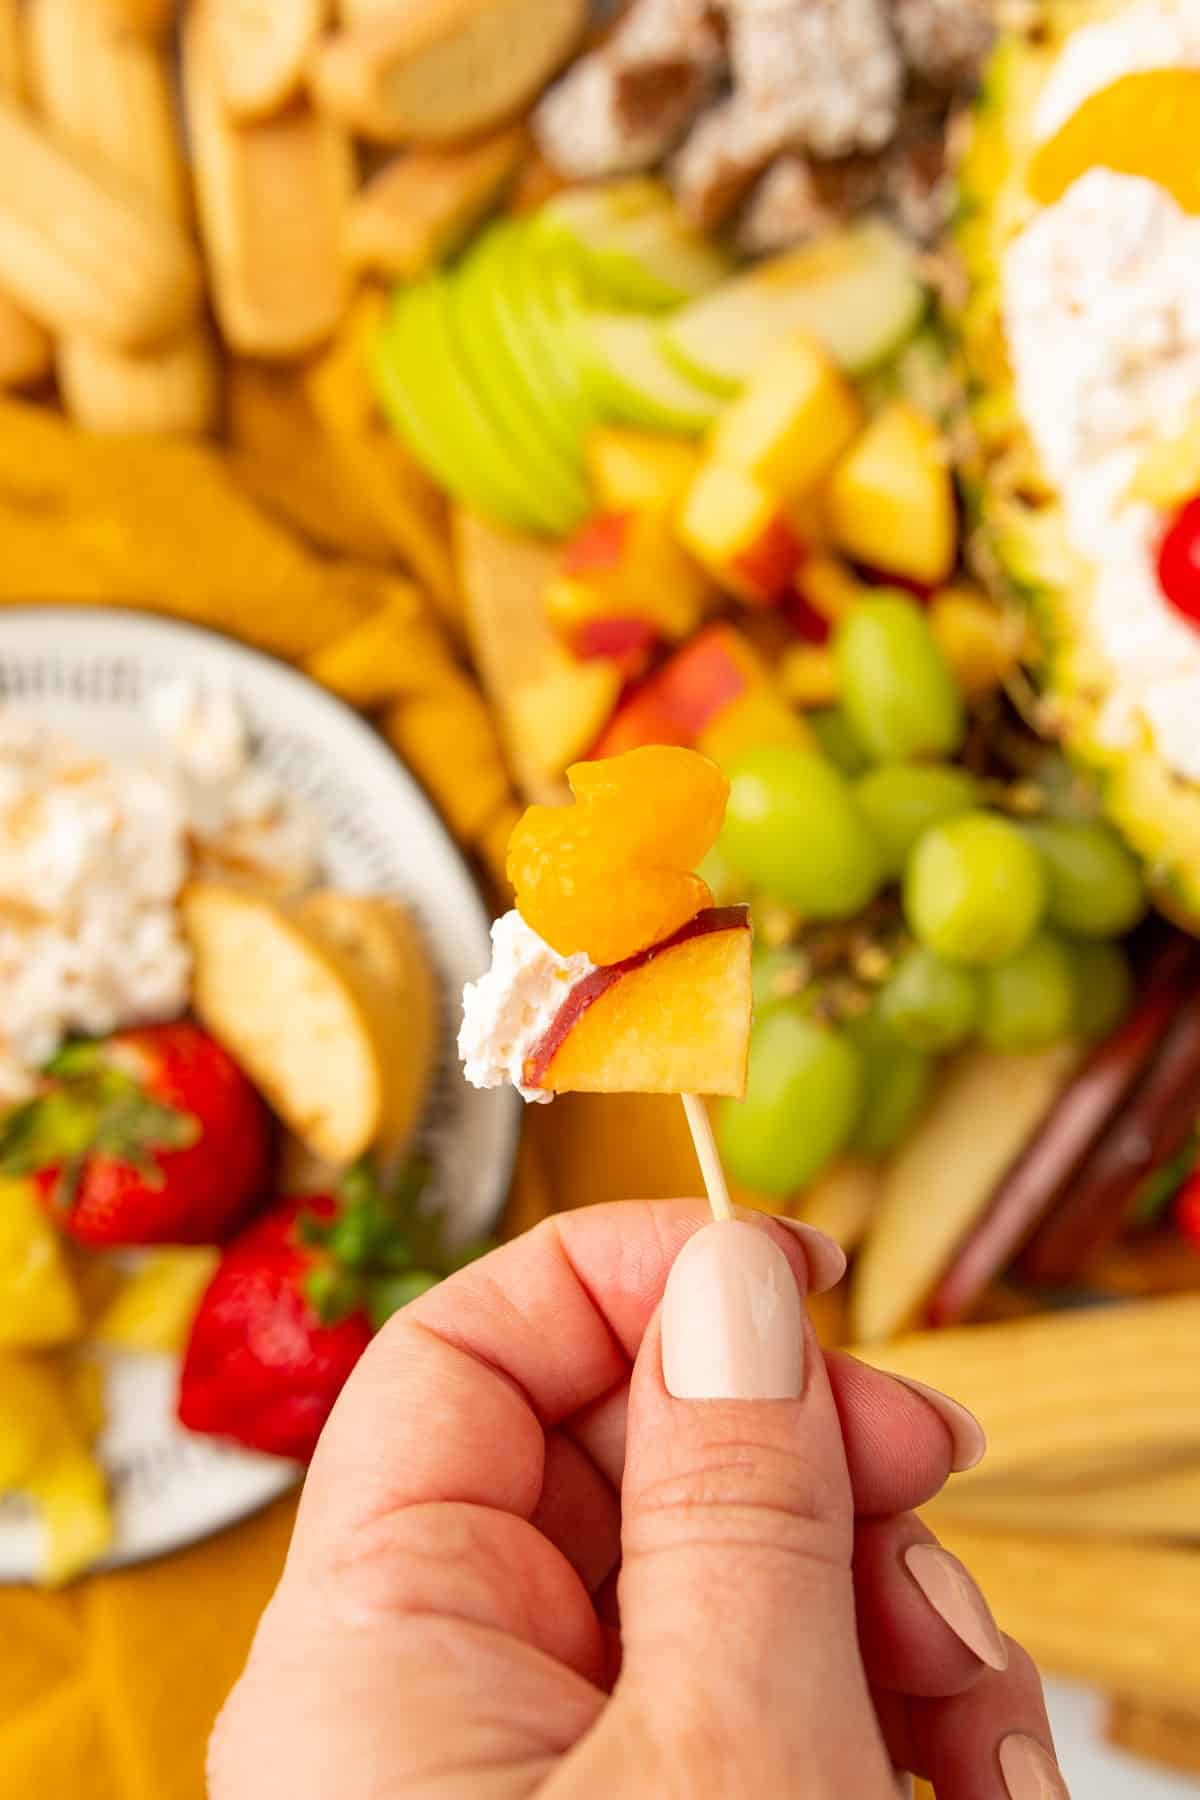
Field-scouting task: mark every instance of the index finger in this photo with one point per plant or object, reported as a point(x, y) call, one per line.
point(452, 1400)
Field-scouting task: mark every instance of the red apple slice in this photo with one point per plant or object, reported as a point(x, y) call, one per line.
point(1150, 1132)
point(675, 1019)
point(1049, 1165)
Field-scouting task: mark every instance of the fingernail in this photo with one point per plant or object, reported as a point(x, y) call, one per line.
point(732, 1322)
point(1029, 1770)
point(970, 1439)
point(825, 1257)
point(957, 1601)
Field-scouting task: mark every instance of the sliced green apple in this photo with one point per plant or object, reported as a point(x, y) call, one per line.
point(498, 376)
point(531, 305)
point(423, 390)
point(856, 291)
point(498, 273)
point(633, 381)
point(633, 245)
point(402, 345)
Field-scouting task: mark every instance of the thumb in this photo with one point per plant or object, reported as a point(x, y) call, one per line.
point(737, 1606)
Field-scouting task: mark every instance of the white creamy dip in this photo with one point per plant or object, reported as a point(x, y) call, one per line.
point(1162, 35)
point(1102, 316)
point(508, 1011)
point(93, 853)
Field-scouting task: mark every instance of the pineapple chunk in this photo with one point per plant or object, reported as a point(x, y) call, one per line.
point(982, 642)
point(808, 676)
point(795, 417)
point(44, 1454)
point(154, 1309)
point(1169, 473)
point(72, 1496)
point(39, 1304)
point(890, 501)
point(829, 587)
point(639, 471)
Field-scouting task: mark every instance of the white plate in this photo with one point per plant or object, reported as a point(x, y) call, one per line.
point(87, 673)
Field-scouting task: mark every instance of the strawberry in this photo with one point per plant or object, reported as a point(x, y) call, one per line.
point(151, 1136)
point(294, 1303)
point(1187, 1210)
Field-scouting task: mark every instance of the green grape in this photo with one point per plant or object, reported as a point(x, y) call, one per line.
point(831, 728)
point(1103, 989)
point(1094, 887)
point(793, 829)
point(802, 1097)
point(974, 890)
point(902, 801)
point(930, 1003)
point(895, 1082)
point(898, 692)
point(777, 975)
point(1029, 1001)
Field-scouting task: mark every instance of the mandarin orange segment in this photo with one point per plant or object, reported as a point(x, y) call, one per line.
point(1147, 123)
point(612, 874)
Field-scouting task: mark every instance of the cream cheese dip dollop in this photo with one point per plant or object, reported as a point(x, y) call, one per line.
point(509, 1010)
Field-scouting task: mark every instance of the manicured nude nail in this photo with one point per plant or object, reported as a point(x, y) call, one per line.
point(1029, 1770)
point(970, 1439)
point(826, 1258)
point(957, 1601)
point(732, 1321)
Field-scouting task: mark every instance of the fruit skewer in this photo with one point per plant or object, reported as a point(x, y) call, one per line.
point(616, 973)
point(715, 1185)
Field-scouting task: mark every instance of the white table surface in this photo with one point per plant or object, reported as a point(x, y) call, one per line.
point(1093, 1770)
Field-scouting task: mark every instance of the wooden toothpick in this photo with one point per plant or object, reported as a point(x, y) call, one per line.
point(715, 1184)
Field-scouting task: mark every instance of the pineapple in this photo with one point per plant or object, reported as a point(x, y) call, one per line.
point(1018, 527)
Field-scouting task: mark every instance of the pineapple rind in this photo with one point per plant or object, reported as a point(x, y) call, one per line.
point(1013, 511)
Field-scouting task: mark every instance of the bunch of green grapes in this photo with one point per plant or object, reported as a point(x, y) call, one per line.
point(1009, 925)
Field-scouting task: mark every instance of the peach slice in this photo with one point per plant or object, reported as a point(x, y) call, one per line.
point(1147, 123)
point(741, 533)
point(715, 695)
point(629, 565)
point(639, 471)
point(792, 421)
point(890, 501)
point(674, 1019)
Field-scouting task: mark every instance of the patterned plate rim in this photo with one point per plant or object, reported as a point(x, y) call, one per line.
point(139, 634)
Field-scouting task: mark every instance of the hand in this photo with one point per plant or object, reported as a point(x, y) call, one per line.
point(451, 1622)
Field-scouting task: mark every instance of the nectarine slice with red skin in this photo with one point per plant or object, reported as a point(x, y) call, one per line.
point(685, 695)
point(767, 568)
point(629, 563)
point(626, 641)
point(740, 532)
point(674, 1019)
point(599, 545)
